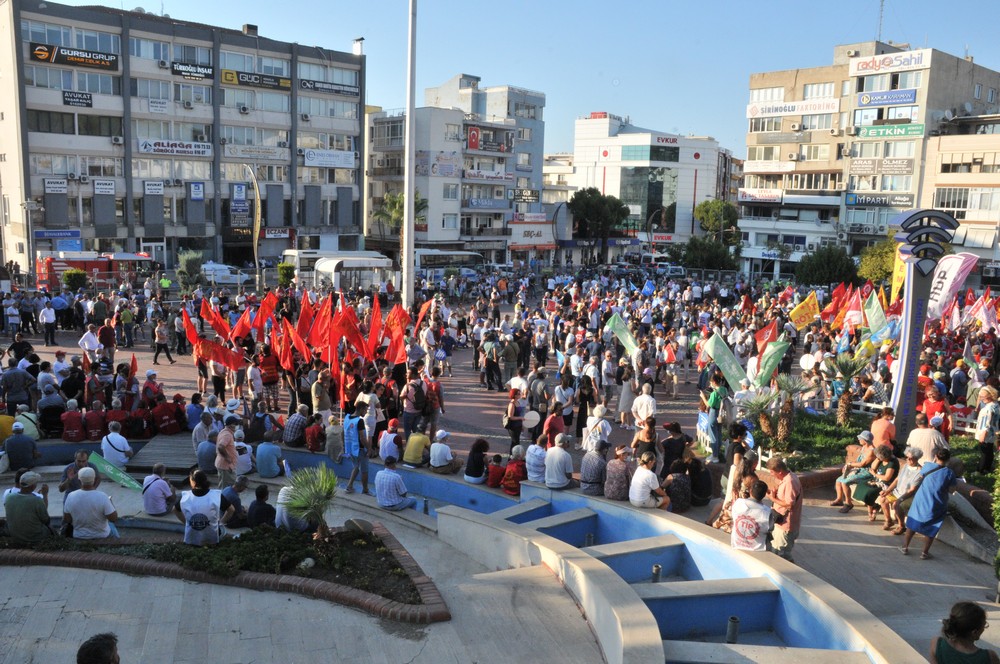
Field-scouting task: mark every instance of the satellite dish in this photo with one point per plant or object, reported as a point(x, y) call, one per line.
point(949, 116)
point(937, 116)
point(807, 362)
point(968, 107)
point(139, 10)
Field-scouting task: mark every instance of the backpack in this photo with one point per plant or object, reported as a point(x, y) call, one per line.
point(419, 398)
point(256, 430)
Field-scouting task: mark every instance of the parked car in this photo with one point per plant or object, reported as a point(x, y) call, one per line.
point(221, 274)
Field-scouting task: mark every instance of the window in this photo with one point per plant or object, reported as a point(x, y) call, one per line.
point(903, 113)
point(98, 84)
point(310, 174)
point(273, 66)
point(51, 164)
point(635, 153)
point(150, 89)
point(309, 139)
point(811, 181)
point(151, 168)
point(763, 152)
point(664, 153)
point(237, 98)
point(344, 109)
point(48, 77)
point(235, 61)
point(312, 72)
point(193, 170)
point(92, 40)
point(238, 135)
point(524, 183)
point(524, 133)
point(793, 240)
point(816, 152)
point(46, 33)
point(100, 125)
point(453, 132)
point(274, 102)
point(863, 183)
point(899, 149)
point(866, 116)
point(50, 122)
point(344, 76)
point(313, 105)
point(845, 88)
point(449, 222)
point(196, 94)
point(102, 167)
point(269, 173)
point(868, 150)
point(450, 192)
point(897, 182)
point(765, 124)
point(523, 110)
point(817, 90)
point(767, 94)
point(148, 49)
point(187, 131)
point(388, 134)
point(875, 83)
point(193, 55)
point(907, 80)
point(991, 96)
point(524, 159)
point(151, 129)
point(977, 91)
point(812, 122)
point(271, 137)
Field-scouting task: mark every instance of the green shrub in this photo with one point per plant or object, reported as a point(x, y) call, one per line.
point(189, 269)
point(450, 272)
point(74, 279)
point(286, 272)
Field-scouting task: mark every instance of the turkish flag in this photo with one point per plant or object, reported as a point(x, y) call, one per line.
point(474, 135)
point(766, 335)
point(970, 298)
point(867, 289)
point(787, 295)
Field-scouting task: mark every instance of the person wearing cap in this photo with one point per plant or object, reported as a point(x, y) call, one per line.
point(442, 461)
point(61, 367)
point(90, 512)
point(390, 443)
point(559, 466)
point(225, 452)
point(21, 449)
point(151, 388)
point(26, 511)
point(854, 472)
point(594, 469)
point(114, 447)
point(645, 490)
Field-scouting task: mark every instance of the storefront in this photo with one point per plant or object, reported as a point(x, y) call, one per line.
point(532, 243)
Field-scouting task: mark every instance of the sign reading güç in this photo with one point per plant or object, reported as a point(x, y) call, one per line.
point(890, 62)
point(60, 55)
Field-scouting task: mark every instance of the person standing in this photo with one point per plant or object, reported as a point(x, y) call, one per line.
point(787, 504)
point(930, 503)
point(47, 316)
point(225, 452)
point(161, 337)
point(987, 423)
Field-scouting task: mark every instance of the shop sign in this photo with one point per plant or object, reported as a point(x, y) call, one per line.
point(192, 72)
point(887, 98)
point(328, 158)
point(757, 195)
point(55, 185)
point(889, 131)
point(158, 106)
point(488, 203)
point(492, 176)
point(248, 79)
point(104, 187)
point(255, 152)
point(239, 192)
point(176, 148)
point(78, 99)
point(530, 217)
point(197, 191)
point(864, 166)
point(276, 233)
point(782, 108)
point(784, 137)
point(886, 62)
point(152, 187)
point(57, 235)
point(329, 88)
point(61, 55)
point(879, 200)
point(881, 166)
point(525, 195)
point(662, 237)
point(768, 166)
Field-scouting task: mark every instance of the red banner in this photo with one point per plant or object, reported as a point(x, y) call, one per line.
point(189, 329)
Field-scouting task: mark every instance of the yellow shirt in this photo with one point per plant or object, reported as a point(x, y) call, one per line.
point(415, 447)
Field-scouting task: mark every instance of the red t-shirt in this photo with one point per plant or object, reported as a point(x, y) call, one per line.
point(165, 417)
point(95, 424)
point(495, 476)
point(73, 431)
point(553, 426)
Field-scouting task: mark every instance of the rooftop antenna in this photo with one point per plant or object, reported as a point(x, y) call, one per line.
point(881, 13)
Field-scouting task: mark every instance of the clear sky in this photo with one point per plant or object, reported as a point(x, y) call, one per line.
point(675, 66)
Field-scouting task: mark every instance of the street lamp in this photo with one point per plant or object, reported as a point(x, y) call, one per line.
point(649, 227)
point(29, 207)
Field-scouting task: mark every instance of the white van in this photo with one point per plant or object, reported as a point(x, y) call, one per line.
point(219, 274)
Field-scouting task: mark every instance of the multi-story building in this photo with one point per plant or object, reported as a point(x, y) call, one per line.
point(128, 131)
point(478, 166)
point(834, 153)
point(662, 177)
point(557, 178)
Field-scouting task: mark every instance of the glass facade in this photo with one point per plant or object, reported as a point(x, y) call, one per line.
point(651, 189)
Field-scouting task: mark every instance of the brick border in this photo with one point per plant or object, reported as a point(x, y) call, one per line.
point(432, 610)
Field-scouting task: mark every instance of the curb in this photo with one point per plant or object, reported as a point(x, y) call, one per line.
point(433, 609)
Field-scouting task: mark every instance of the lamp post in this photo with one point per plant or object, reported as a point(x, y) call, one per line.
point(649, 227)
point(29, 207)
point(256, 224)
point(409, 152)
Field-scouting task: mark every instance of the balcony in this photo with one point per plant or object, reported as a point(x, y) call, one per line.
point(474, 232)
point(388, 171)
point(485, 203)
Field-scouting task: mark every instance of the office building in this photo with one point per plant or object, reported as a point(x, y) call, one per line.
point(129, 131)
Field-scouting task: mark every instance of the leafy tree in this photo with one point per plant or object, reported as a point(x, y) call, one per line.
point(706, 253)
point(826, 265)
point(286, 272)
point(392, 213)
point(74, 279)
point(719, 218)
point(877, 261)
point(189, 269)
point(594, 215)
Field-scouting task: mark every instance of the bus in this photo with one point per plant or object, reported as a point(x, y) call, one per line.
point(432, 263)
point(305, 260)
point(348, 270)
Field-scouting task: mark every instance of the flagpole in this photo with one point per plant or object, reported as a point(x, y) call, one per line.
point(409, 186)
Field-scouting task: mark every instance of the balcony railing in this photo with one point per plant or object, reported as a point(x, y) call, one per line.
point(473, 231)
point(388, 171)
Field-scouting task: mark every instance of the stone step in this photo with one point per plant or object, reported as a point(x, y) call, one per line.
point(706, 653)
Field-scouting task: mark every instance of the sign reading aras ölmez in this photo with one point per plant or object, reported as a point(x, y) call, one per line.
point(61, 55)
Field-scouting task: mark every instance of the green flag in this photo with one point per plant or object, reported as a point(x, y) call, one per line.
point(620, 330)
point(770, 360)
point(113, 472)
point(874, 313)
point(726, 361)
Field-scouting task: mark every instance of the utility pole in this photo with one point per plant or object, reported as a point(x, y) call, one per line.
point(409, 180)
point(881, 13)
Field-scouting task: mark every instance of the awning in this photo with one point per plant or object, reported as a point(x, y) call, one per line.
point(536, 247)
point(980, 238)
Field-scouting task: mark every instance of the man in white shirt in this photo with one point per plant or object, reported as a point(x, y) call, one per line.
point(114, 448)
point(443, 462)
point(89, 343)
point(47, 317)
point(644, 405)
point(90, 511)
point(559, 466)
point(752, 520)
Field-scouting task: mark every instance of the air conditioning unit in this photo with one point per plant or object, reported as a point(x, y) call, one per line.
point(869, 229)
point(117, 140)
point(835, 132)
point(851, 131)
point(811, 246)
point(934, 132)
point(793, 156)
point(71, 176)
point(188, 105)
point(244, 109)
point(845, 152)
point(301, 152)
point(304, 117)
point(796, 126)
point(282, 144)
point(84, 179)
point(797, 247)
point(853, 54)
point(357, 156)
point(989, 272)
point(841, 236)
point(163, 64)
point(202, 138)
point(178, 183)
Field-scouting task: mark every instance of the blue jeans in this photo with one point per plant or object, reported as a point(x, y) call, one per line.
point(410, 421)
point(716, 433)
point(405, 503)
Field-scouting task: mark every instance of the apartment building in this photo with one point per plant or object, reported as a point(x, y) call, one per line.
point(129, 131)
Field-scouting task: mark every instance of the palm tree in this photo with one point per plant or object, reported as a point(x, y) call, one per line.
point(312, 493)
point(789, 387)
point(759, 408)
point(392, 214)
point(850, 368)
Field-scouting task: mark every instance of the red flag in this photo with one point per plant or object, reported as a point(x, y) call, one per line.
point(424, 308)
point(970, 298)
point(189, 329)
point(306, 315)
point(895, 309)
point(86, 363)
point(265, 311)
point(345, 326)
point(986, 295)
point(867, 289)
point(243, 325)
point(375, 328)
point(787, 294)
point(854, 310)
point(133, 367)
point(766, 335)
point(214, 319)
point(292, 338)
point(395, 329)
point(669, 357)
point(321, 324)
point(839, 292)
point(209, 350)
point(285, 357)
